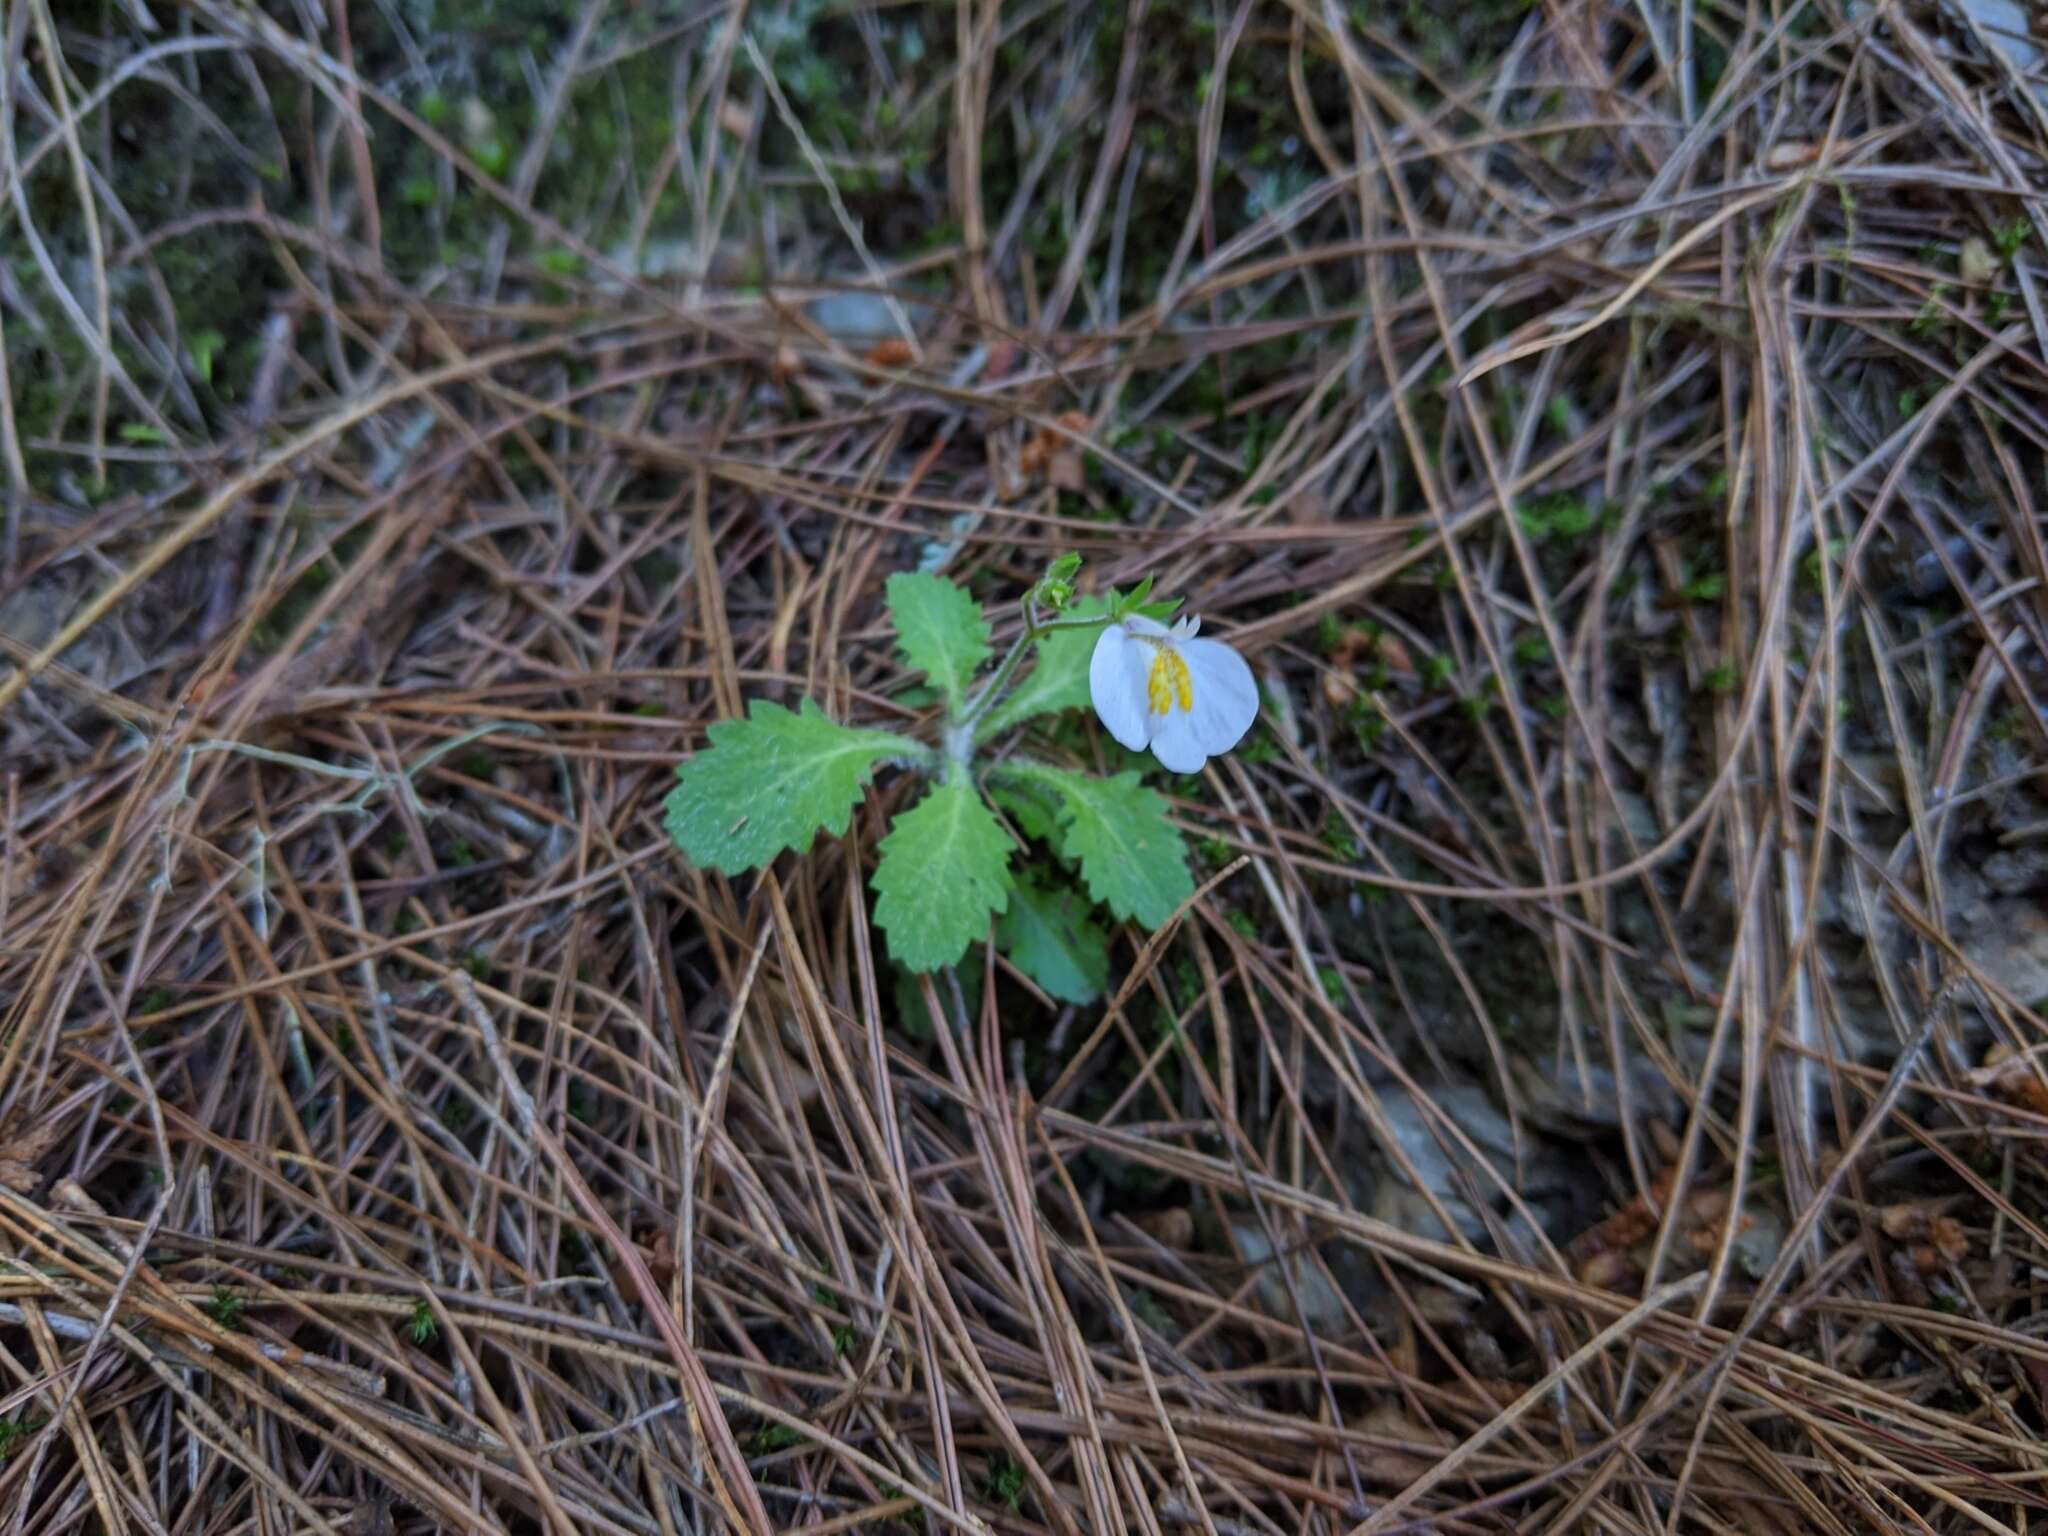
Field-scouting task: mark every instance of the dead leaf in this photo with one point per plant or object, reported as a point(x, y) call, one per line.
point(1610, 1270)
point(895, 352)
point(1358, 647)
point(21, 1145)
point(1975, 264)
point(1396, 1465)
point(1171, 1228)
point(660, 1258)
point(1899, 1222)
point(1949, 1238)
point(735, 118)
point(1933, 1239)
point(2012, 1077)
point(1054, 456)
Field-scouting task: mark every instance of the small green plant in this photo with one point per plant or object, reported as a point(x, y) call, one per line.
point(226, 1308)
point(1005, 1484)
point(775, 1437)
point(14, 1431)
point(203, 347)
point(773, 781)
point(1559, 516)
point(1819, 559)
point(1337, 837)
point(1933, 311)
point(424, 1328)
point(843, 1336)
point(1709, 588)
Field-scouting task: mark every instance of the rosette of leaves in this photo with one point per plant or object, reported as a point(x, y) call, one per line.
point(1067, 846)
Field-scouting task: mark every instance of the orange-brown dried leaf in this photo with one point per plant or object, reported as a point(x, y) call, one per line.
point(1611, 1269)
point(1948, 1238)
point(2012, 1078)
point(1708, 1205)
point(1635, 1222)
point(659, 1255)
point(1056, 458)
point(1173, 1227)
point(1902, 1222)
point(1068, 468)
point(1706, 1239)
point(895, 352)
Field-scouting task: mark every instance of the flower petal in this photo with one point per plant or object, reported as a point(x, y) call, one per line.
point(1116, 686)
point(1226, 697)
point(1176, 744)
point(1138, 624)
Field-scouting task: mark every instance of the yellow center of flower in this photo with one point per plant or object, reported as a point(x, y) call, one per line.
point(1170, 682)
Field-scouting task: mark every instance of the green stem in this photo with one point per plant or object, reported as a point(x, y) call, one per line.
point(985, 695)
point(990, 692)
point(961, 734)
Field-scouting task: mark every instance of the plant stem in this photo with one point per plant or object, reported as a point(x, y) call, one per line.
point(986, 696)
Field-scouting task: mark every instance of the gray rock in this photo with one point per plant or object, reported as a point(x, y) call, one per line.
point(2010, 942)
point(1322, 1306)
point(852, 314)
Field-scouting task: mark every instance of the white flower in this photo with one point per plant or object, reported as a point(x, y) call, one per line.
point(1186, 699)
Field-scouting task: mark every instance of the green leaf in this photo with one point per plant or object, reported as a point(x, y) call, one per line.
point(1132, 859)
point(1058, 678)
point(940, 630)
point(1121, 604)
point(944, 869)
point(1049, 934)
point(913, 1018)
point(1036, 813)
point(141, 432)
point(203, 348)
point(493, 157)
point(769, 782)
